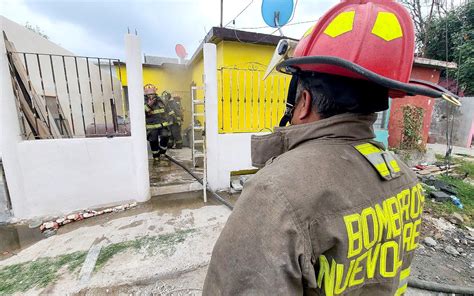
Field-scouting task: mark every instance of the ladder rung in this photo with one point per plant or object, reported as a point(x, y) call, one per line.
point(198, 127)
point(198, 114)
point(198, 155)
point(198, 141)
point(198, 102)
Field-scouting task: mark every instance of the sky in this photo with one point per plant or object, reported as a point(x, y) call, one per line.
point(97, 28)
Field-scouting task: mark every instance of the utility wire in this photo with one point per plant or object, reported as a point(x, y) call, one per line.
point(287, 25)
point(245, 8)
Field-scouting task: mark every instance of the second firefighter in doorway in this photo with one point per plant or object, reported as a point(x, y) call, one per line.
point(175, 119)
point(157, 123)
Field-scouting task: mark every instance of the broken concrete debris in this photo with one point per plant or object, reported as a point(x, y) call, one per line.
point(49, 228)
point(451, 250)
point(439, 196)
point(430, 242)
point(457, 218)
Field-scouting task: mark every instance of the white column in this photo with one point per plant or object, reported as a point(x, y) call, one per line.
point(10, 136)
point(212, 140)
point(137, 114)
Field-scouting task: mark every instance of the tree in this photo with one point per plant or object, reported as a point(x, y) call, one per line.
point(451, 37)
point(36, 29)
point(422, 13)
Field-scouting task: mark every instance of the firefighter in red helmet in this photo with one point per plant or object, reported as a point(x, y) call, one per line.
point(331, 211)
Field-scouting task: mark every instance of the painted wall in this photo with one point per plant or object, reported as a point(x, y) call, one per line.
point(462, 124)
point(51, 177)
point(65, 175)
point(395, 126)
point(175, 79)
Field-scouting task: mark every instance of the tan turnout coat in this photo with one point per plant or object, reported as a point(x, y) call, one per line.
point(331, 213)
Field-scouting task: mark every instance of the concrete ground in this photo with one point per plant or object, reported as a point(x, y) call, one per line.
point(168, 178)
point(164, 246)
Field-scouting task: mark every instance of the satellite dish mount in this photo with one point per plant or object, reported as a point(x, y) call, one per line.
point(277, 13)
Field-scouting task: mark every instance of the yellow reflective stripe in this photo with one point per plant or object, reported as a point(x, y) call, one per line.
point(158, 111)
point(147, 109)
point(171, 113)
point(178, 118)
point(340, 24)
point(405, 273)
point(387, 26)
point(367, 148)
point(153, 126)
point(166, 123)
point(401, 290)
point(394, 166)
point(382, 169)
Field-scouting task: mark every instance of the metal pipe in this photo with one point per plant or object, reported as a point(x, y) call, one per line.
point(103, 98)
point(80, 96)
point(92, 95)
point(58, 105)
point(69, 96)
point(62, 55)
point(114, 116)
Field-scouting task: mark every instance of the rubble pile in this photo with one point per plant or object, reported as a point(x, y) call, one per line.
point(50, 227)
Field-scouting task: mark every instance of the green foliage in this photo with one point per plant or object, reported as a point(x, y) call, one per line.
point(162, 244)
point(459, 40)
point(36, 29)
point(43, 271)
point(465, 192)
point(39, 273)
point(412, 128)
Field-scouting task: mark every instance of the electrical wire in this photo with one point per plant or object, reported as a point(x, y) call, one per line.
point(287, 25)
point(245, 8)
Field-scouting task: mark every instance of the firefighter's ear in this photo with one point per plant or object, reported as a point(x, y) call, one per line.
point(305, 106)
point(304, 112)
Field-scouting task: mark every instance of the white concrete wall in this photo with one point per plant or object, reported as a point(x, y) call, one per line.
point(60, 176)
point(51, 177)
point(28, 41)
point(225, 152)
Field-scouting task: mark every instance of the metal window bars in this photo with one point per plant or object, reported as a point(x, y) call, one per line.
point(57, 95)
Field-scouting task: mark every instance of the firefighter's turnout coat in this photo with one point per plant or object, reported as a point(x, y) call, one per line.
point(176, 112)
point(330, 213)
point(157, 119)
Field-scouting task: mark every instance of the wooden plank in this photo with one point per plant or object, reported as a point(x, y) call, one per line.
point(35, 98)
point(38, 126)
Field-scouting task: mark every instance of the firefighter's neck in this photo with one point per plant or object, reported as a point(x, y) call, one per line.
point(304, 111)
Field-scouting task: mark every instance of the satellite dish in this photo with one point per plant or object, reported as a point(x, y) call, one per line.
point(277, 13)
point(180, 51)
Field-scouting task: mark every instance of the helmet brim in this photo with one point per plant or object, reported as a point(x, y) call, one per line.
point(291, 66)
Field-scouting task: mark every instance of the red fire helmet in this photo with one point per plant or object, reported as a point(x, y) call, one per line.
point(363, 39)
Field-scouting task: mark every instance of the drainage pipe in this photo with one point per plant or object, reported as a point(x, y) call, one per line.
point(213, 194)
point(435, 287)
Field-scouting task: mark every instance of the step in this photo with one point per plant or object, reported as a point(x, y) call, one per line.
point(198, 114)
point(198, 141)
point(198, 102)
point(198, 128)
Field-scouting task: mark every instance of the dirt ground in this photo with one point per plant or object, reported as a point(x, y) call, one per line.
point(436, 263)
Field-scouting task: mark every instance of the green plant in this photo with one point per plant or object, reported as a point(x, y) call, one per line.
point(412, 128)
